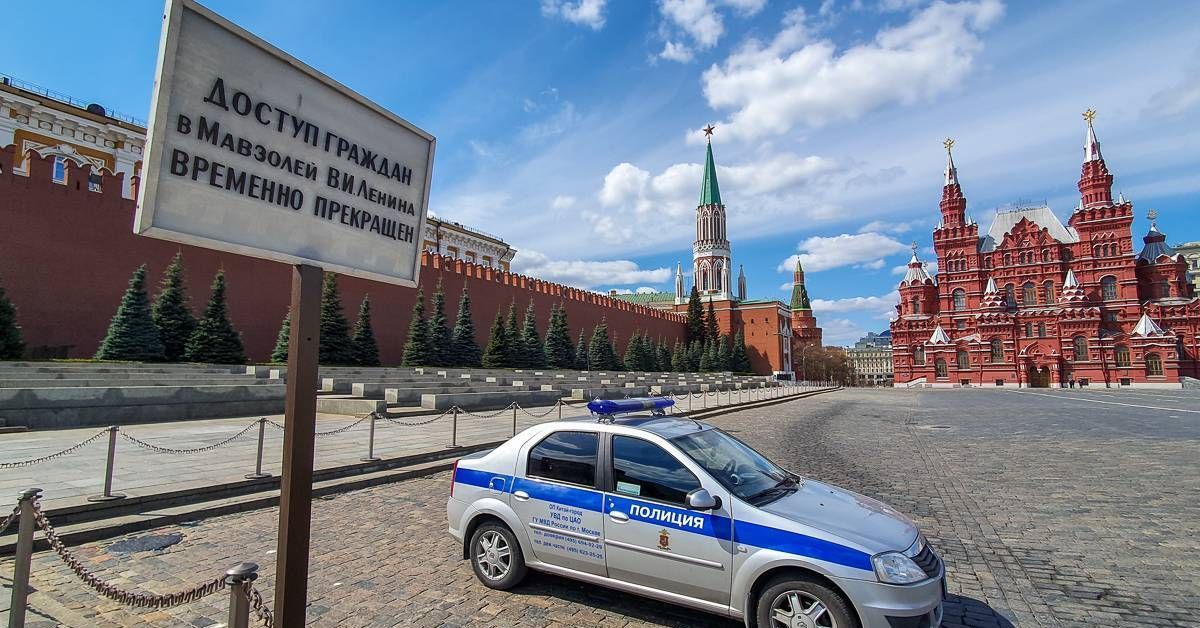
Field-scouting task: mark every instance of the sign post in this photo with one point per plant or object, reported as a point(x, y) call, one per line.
point(252, 152)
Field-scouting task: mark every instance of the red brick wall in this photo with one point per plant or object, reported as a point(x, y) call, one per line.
point(66, 255)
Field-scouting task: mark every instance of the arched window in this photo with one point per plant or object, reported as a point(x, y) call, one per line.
point(916, 305)
point(1079, 344)
point(1164, 289)
point(1029, 330)
point(1007, 259)
point(1048, 292)
point(1123, 356)
point(1045, 255)
point(1010, 295)
point(1028, 294)
point(1108, 288)
point(718, 273)
point(997, 350)
point(960, 299)
point(1153, 364)
point(1041, 330)
point(918, 355)
point(939, 369)
point(704, 277)
point(964, 361)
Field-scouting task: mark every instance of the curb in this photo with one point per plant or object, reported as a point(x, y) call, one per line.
point(716, 412)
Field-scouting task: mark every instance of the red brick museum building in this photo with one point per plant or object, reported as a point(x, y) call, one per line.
point(1032, 302)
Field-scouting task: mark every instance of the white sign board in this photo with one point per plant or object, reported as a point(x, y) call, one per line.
point(255, 153)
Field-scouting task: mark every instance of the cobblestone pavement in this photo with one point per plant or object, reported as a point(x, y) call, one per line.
point(1051, 510)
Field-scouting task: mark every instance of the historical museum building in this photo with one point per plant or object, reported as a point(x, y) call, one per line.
point(773, 330)
point(1033, 302)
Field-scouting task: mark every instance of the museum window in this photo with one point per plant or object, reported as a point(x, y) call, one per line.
point(997, 350)
point(1153, 364)
point(1041, 330)
point(960, 299)
point(1164, 290)
point(916, 306)
point(1108, 288)
point(1048, 292)
point(1029, 330)
point(1045, 255)
point(1007, 259)
point(1010, 295)
point(919, 355)
point(1028, 294)
point(940, 369)
point(1080, 346)
point(964, 361)
point(1123, 356)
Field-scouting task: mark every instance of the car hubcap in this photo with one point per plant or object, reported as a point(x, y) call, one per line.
point(800, 609)
point(493, 555)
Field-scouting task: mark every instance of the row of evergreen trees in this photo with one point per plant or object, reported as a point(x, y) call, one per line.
point(12, 347)
point(340, 344)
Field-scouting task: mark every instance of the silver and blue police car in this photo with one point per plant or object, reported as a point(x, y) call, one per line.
point(680, 511)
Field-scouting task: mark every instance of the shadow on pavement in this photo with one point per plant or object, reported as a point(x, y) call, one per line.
point(969, 612)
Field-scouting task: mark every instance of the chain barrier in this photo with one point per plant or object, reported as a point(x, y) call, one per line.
point(112, 592)
point(278, 426)
point(264, 614)
point(493, 415)
point(416, 423)
point(343, 428)
point(539, 416)
point(69, 450)
point(16, 514)
point(196, 450)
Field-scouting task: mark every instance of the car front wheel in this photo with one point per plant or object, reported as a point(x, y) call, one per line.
point(496, 557)
point(797, 601)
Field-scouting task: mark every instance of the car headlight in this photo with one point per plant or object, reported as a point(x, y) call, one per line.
point(896, 568)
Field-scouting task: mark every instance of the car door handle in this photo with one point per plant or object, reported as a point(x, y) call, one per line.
point(618, 516)
point(521, 496)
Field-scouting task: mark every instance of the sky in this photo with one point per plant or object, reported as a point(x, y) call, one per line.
point(570, 128)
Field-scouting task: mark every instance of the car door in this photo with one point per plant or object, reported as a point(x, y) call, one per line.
point(555, 495)
point(651, 538)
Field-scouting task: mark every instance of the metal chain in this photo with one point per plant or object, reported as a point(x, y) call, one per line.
point(489, 416)
point(110, 591)
point(278, 426)
point(171, 450)
point(414, 424)
point(343, 428)
point(68, 450)
point(539, 416)
point(16, 514)
point(264, 614)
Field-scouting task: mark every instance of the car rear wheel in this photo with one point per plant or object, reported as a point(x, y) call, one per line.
point(496, 557)
point(796, 601)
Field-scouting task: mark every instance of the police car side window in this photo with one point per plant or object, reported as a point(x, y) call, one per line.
point(643, 469)
point(565, 457)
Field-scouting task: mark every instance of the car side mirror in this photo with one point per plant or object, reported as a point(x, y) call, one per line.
point(701, 499)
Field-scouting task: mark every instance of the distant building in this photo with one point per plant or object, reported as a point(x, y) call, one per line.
point(457, 241)
point(873, 339)
point(1033, 302)
point(1191, 255)
point(871, 365)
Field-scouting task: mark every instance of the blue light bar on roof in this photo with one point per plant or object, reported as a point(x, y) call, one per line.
point(623, 406)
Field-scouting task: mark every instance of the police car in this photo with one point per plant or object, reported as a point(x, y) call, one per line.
point(680, 511)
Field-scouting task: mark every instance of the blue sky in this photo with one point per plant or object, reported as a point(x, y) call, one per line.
point(570, 127)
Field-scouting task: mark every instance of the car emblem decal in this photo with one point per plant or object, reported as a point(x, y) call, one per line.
point(664, 540)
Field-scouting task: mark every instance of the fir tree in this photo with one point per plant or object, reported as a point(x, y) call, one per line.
point(416, 347)
point(366, 350)
point(558, 340)
point(581, 353)
point(678, 358)
point(694, 353)
point(694, 329)
point(11, 345)
point(171, 313)
point(512, 338)
point(336, 347)
point(215, 341)
point(280, 353)
point(722, 361)
point(663, 358)
point(132, 334)
point(600, 351)
point(496, 354)
point(463, 350)
point(634, 352)
point(439, 331)
point(533, 353)
point(739, 361)
point(712, 331)
point(706, 358)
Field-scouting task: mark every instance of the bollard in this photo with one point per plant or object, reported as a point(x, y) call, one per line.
point(704, 401)
point(258, 472)
point(514, 418)
point(370, 457)
point(689, 394)
point(108, 472)
point(20, 586)
point(454, 426)
point(560, 405)
point(239, 597)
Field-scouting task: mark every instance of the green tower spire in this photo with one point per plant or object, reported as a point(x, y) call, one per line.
point(710, 192)
point(799, 292)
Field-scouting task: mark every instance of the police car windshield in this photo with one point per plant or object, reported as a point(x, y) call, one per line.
point(740, 469)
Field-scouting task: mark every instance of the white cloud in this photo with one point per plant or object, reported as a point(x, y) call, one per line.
point(893, 227)
point(563, 201)
point(880, 306)
point(699, 21)
point(673, 51)
point(586, 274)
point(796, 80)
point(588, 13)
point(819, 253)
point(840, 331)
point(553, 125)
point(645, 290)
point(930, 267)
point(1178, 98)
